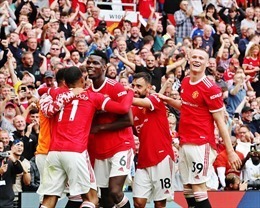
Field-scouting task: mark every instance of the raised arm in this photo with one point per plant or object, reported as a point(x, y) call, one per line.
point(175, 64)
point(124, 60)
point(171, 102)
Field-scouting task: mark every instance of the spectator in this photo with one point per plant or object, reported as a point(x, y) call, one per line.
point(211, 69)
point(219, 74)
point(247, 119)
point(200, 22)
point(244, 139)
point(8, 111)
point(155, 72)
point(233, 183)
point(234, 17)
point(243, 42)
point(249, 20)
point(5, 138)
point(207, 40)
point(29, 140)
point(170, 33)
point(135, 41)
point(24, 178)
point(29, 65)
point(184, 21)
point(251, 170)
point(251, 65)
point(222, 165)
point(237, 93)
point(10, 166)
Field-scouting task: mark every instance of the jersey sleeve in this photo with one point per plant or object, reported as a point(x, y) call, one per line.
point(155, 102)
point(122, 107)
point(214, 99)
point(50, 105)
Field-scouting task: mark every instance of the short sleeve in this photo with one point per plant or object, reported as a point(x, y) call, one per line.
point(214, 99)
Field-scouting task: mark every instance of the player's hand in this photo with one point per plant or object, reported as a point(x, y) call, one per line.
point(234, 160)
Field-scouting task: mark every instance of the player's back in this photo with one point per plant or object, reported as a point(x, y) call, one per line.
point(71, 126)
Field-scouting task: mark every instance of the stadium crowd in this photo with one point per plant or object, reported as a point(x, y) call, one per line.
point(41, 39)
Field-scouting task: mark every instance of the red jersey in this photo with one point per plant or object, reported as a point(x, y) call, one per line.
point(228, 75)
point(144, 7)
point(252, 62)
point(199, 101)
point(222, 161)
point(108, 143)
point(152, 127)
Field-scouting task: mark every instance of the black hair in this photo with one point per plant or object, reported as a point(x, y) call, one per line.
point(220, 69)
point(100, 54)
point(72, 75)
point(60, 75)
point(147, 77)
point(33, 111)
point(64, 14)
point(74, 50)
point(128, 21)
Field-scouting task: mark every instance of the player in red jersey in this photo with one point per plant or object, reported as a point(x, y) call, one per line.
point(155, 173)
point(201, 105)
point(112, 139)
point(70, 130)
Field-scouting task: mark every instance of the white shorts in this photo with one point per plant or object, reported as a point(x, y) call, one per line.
point(118, 165)
point(195, 163)
point(155, 183)
point(63, 167)
point(40, 161)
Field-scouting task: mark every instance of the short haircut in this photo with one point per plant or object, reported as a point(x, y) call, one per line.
point(220, 69)
point(100, 54)
point(72, 75)
point(147, 77)
point(128, 21)
point(34, 111)
point(60, 75)
point(74, 50)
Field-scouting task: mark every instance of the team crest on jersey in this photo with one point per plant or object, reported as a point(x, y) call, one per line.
point(195, 94)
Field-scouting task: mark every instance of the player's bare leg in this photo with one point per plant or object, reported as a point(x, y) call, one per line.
point(139, 202)
point(49, 201)
point(160, 204)
point(90, 199)
point(115, 195)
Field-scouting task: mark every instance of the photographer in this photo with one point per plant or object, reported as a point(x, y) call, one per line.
point(8, 170)
point(251, 170)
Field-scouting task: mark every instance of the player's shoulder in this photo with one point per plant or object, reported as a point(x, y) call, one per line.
point(207, 83)
point(111, 82)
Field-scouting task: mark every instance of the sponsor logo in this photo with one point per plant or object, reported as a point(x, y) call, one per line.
point(121, 93)
point(212, 97)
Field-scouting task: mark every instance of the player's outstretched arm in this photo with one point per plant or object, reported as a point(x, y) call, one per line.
point(233, 158)
point(174, 103)
point(120, 108)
